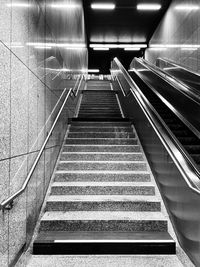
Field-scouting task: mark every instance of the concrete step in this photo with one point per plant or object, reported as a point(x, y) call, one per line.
point(97, 111)
point(103, 221)
point(103, 188)
point(108, 242)
point(109, 165)
point(102, 176)
point(101, 156)
point(101, 148)
point(101, 141)
point(100, 129)
point(100, 123)
point(100, 135)
point(100, 115)
point(102, 203)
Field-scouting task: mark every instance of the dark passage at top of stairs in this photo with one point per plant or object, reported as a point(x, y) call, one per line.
point(102, 199)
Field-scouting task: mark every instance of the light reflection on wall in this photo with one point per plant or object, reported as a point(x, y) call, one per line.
point(113, 38)
point(179, 33)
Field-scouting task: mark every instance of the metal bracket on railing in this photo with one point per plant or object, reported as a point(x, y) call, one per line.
point(9, 206)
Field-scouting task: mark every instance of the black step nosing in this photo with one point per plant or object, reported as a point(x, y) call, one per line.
point(50, 243)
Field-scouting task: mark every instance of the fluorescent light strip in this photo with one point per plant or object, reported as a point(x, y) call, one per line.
point(65, 6)
point(187, 7)
point(93, 70)
point(18, 5)
point(67, 45)
point(132, 49)
point(100, 6)
point(174, 46)
point(118, 45)
point(150, 7)
point(189, 48)
point(101, 48)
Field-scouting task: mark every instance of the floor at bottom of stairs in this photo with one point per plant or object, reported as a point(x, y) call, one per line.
point(105, 261)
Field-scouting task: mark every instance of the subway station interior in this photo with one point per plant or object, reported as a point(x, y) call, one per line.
point(100, 133)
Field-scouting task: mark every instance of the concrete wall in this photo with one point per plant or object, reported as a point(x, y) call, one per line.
point(180, 28)
point(28, 94)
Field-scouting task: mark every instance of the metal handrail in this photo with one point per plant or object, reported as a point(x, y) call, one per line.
point(76, 93)
point(8, 203)
point(179, 66)
point(190, 174)
point(178, 113)
point(177, 84)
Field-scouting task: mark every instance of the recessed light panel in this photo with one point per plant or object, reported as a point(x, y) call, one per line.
point(101, 6)
point(148, 7)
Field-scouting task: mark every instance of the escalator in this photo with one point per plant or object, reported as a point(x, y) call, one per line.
point(167, 121)
point(189, 141)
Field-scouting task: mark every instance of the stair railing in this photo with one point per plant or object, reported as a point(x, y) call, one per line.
point(189, 172)
point(8, 203)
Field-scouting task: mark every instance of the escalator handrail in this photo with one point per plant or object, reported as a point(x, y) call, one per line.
point(179, 66)
point(8, 203)
point(177, 84)
point(190, 90)
point(178, 114)
point(189, 172)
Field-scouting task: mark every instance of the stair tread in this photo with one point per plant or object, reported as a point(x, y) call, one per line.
point(103, 171)
point(102, 184)
point(102, 153)
point(104, 236)
point(102, 198)
point(102, 216)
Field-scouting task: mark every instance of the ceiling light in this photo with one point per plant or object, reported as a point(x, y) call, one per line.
point(101, 48)
point(148, 7)
point(103, 6)
point(187, 7)
point(65, 6)
point(118, 45)
point(132, 48)
point(93, 70)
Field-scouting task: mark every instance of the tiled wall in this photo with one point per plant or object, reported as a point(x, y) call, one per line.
point(179, 28)
point(28, 94)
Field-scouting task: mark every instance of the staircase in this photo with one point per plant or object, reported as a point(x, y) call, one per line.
point(102, 199)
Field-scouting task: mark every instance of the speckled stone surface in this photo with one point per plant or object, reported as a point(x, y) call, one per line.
point(101, 124)
point(101, 148)
point(102, 156)
point(102, 188)
point(101, 129)
point(100, 135)
point(101, 141)
point(103, 176)
point(105, 261)
point(103, 221)
point(102, 203)
point(4, 93)
point(117, 165)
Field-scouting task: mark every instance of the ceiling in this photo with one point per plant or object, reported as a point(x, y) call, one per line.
point(124, 24)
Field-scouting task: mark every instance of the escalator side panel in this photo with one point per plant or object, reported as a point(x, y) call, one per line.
point(182, 203)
